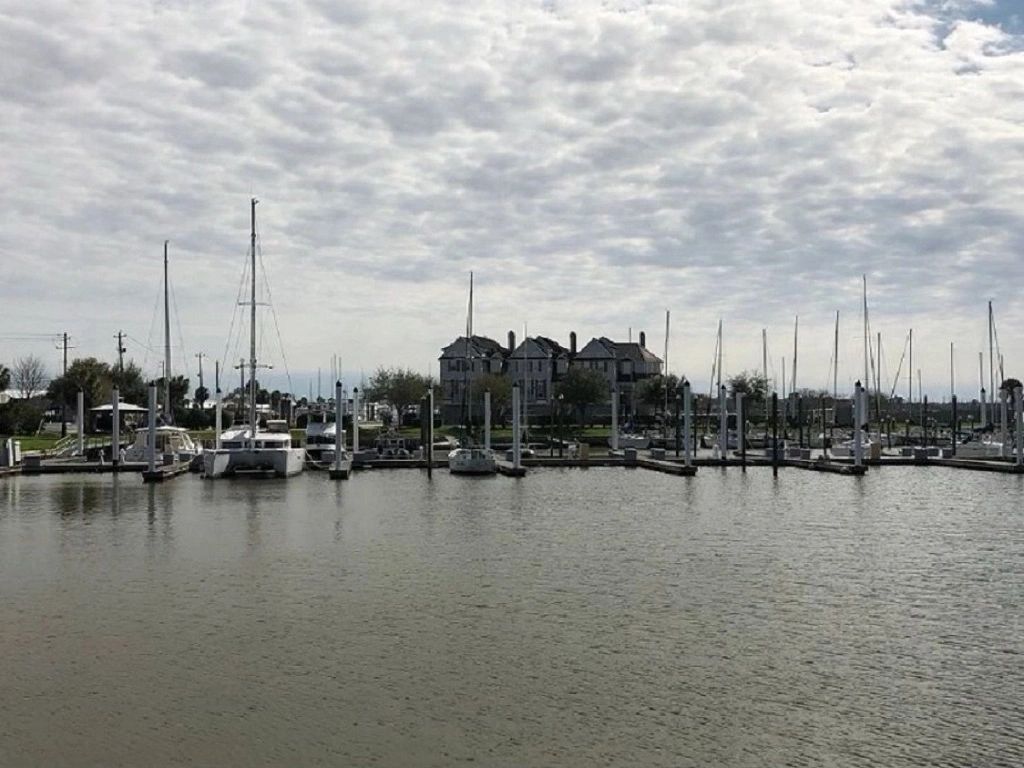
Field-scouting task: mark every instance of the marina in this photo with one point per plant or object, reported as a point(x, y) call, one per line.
point(542, 620)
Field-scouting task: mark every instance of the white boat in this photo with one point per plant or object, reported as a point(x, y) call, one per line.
point(981, 449)
point(472, 461)
point(871, 444)
point(321, 438)
point(174, 441)
point(267, 451)
point(248, 448)
point(632, 440)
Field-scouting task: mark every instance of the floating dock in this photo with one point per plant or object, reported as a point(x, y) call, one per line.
point(509, 469)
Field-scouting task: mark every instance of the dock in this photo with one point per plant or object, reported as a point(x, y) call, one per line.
point(165, 472)
point(509, 469)
point(667, 467)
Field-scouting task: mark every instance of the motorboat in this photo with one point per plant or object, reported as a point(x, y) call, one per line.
point(391, 445)
point(472, 461)
point(985, 448)
point(169, 441)
point(632, 440)
point(321, 439)
point(870, 444)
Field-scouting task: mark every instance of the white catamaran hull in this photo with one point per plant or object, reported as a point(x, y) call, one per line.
point(282, 462)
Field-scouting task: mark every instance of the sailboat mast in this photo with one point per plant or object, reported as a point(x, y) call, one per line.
point(835, 370)
point(796, 330)
point(167, 344)
point(526, 388)
point(866, 380)
point(469, 357)
point(719, 382)
point(665, 374)
point(952, 374)
point(252, 328)
point(910, 372)
point(764, 360)
point(991, 358)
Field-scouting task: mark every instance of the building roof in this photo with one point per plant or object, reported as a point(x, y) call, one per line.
point(604, 348)
point(482, 346)
point(545, 348)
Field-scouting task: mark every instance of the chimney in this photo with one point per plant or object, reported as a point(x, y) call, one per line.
point(643, 339)
point(572, 343)
point(511, 342)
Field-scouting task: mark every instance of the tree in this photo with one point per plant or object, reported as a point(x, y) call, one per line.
point(88, 374)
point(581, 388)
point(5, 377)
point(201, 396)
point(651, 391)
point(1010, 385)
point(500, 388)
point(130, 384)
point(19, 417)
point(398, 387)
point(378, 386)
point(29, 376)
point(753, 385)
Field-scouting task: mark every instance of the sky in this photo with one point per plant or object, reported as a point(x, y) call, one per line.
point(593, 163)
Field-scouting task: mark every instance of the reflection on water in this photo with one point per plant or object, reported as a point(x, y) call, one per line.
point(574, 617)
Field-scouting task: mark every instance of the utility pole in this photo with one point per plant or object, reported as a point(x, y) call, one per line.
point(201, 355)
point(120, 351)
point(64, 376)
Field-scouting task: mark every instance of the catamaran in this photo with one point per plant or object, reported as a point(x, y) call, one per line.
point(250, 448)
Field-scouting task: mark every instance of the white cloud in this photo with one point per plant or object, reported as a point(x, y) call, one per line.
point(593, 164)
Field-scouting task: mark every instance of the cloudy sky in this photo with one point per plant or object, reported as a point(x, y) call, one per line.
point(593, 163)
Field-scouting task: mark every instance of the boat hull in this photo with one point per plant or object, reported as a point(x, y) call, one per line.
point(476, 461)
point(281, 462)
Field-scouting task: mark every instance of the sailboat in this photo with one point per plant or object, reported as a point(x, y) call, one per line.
point(469, 459)
point(169, 439)
point(871, 444)
point(246, 448)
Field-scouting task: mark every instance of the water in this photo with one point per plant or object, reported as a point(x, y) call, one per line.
point(574, 618)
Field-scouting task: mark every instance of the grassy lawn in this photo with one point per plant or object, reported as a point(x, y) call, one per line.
point(33, 442)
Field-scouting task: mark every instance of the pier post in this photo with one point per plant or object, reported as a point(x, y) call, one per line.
point(355, 421)
point(151, 442)
point(924, 420)
point(800, 421)
point(954, 429)
point(1018, 412)
point(615, 418)
point(430, 431)
point(858, 432)
point(515, 426)
point(679, 424)
point(218, 413)
point(1003, 405)
point(81, 423)
point(984, 419)
point(487, 419)
point(741, 429)
point(775, 434)
point(821, 407)
point(687, 445)
point(723, 423)
point(115, 428)
point(339, 432)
